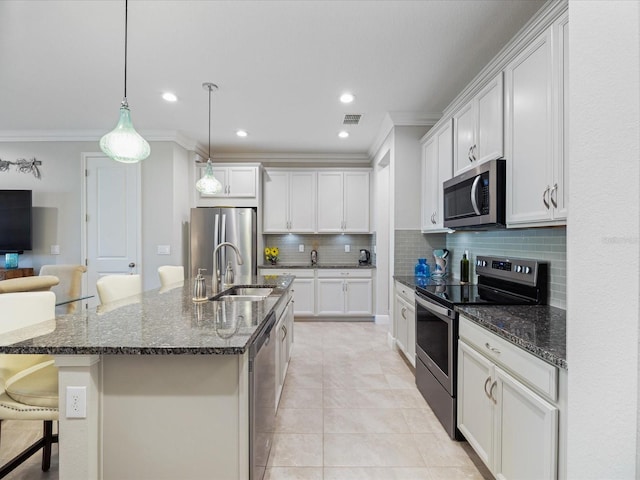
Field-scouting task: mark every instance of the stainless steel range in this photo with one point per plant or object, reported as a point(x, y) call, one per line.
point(501, 281)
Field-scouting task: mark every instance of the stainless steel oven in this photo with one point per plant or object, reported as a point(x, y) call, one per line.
point(436, 359)
point(501, 281)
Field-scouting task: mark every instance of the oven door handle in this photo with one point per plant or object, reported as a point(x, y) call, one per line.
point(474, 194)
point(432, 307)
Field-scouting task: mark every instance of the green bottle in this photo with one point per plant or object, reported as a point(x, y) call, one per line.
point(464, 267)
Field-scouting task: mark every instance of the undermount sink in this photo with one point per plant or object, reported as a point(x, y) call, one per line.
point(252, 294)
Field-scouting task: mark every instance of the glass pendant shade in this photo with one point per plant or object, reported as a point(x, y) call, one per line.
point(123, 143)
point(209, 184)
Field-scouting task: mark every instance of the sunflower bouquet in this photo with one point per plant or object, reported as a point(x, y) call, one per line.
point(271, 254)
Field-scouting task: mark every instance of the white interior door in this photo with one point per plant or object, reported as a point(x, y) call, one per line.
point(112, 214)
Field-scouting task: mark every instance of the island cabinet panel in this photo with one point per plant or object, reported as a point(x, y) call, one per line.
point(173, 425)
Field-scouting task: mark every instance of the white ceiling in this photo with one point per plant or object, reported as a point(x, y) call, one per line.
point(280, 66)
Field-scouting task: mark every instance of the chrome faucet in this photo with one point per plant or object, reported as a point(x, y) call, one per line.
point(215, 282)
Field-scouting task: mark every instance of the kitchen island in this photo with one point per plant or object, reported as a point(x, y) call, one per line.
point(166, 379)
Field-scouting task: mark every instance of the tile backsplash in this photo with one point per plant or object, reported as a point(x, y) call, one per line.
point(545, 244)
point(330, 248)
point(411, 245)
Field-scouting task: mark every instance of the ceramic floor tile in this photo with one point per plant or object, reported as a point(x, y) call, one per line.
point(439, 451)
point(302, 380)
point(296, 450)
point(301, 398)
point(376, 473)
point(372, 398)
point(422, 420)
point(455, 473)
point(299, 420)
point(378, 420)
point(365, 380)
point(375, 450)
point(402, 382)
point(293, 473)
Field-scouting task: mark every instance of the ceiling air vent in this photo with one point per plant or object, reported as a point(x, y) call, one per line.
point(351, 119)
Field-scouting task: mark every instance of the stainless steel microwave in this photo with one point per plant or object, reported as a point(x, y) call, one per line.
point(476, 198)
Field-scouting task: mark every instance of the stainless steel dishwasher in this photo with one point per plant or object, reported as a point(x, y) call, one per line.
point(262, 398)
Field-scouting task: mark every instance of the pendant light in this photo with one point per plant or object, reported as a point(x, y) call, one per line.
point(123, 143)
point(209, 184)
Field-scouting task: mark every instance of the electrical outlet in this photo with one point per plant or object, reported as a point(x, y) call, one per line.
point(164, 250)
point(76, 402)
point(55, 249)
point(347, 248)
point(301, 247)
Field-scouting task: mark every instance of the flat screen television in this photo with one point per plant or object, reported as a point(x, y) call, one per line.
point(15, 221)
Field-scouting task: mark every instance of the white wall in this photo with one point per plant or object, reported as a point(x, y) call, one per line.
point(407, 166)
point(602, 239)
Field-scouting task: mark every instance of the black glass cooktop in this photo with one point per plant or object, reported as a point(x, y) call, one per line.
point(456, 294)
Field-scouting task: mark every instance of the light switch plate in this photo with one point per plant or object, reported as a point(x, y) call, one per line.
point(164, 249)
point(347, 248)
point(55, 249)
point(301, 247)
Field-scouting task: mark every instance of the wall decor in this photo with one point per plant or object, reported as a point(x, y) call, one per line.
point(22, 165)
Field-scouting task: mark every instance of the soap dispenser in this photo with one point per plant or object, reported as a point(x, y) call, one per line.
point(200, 287)
point(228, 275)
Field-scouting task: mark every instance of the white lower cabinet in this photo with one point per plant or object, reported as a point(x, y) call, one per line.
point(512, 428)
point(404, 316)
point(304, 288)
point(344, 292)
point(284, 341)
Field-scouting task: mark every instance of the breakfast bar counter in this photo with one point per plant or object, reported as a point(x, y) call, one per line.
point(166, 382)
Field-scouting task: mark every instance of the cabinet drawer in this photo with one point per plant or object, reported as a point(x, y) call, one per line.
point(406, 293)
point(344, 273)
point(536, 373)
point(296, 272)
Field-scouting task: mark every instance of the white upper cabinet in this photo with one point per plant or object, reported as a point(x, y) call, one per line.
point(437, 158)
point(536, 82)
point(237, 181)
point(478, 127)
point(343, 202)
point(289, 201)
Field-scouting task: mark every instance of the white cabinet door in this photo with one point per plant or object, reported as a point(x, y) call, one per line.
point(475, 408)
point(529, 132)
point(358, 296)
point(242, 182)
point(437, 159)
point(560, 188)
point(281, 347)
point(356, 202)
point(289, 322)
point(275, 216)
point(400, 318)
point(429, 181)
point(527, 429)
point(302, 202)
point(304, 296)
point(330, 299)
point(411, 333)
point(464, 140)
point(330, 202)
point(445, 166)
point(490, 121)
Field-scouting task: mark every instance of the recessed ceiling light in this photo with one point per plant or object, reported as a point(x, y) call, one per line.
point(241, 133)
point(347, 97)
point(343, 134)
point(169, 97)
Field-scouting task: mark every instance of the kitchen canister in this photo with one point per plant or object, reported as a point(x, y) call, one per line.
point(422, 268)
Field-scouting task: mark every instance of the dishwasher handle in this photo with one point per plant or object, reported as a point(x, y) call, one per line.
point(263, 338)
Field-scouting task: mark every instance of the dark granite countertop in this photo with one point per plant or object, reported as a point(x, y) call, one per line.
point(157, 322)
point(321, 266)
point(538, 329)
point(409, 281)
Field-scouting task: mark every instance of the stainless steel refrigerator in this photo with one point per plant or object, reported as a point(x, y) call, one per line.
point(211, 226)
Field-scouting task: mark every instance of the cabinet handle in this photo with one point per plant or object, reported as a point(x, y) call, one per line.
point(402, 312)
point(284, 330)
point(493, 385)
point(435, 217)
point(474, 151)
point(486, 392)
point(229, 189)
point(554, 200)
point(493, 349)
point(469, 153)
point(544, 197)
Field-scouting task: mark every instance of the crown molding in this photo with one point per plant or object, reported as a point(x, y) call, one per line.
point(315, 158)
point(92, 136)
point(401, 119)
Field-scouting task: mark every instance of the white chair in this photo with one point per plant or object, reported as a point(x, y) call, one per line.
point(28, 383)
point(170, 275)
point(115, 287)
point(28, 284)
point(70, 285)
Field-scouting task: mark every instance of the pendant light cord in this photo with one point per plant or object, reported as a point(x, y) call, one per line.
point(126, 13)
point(209, 123)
